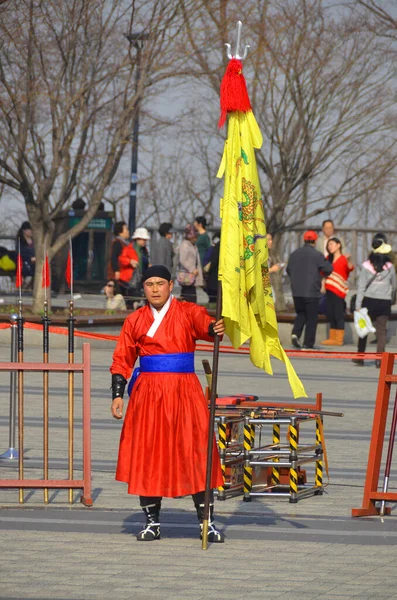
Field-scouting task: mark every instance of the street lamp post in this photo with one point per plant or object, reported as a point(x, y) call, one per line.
point(137, 40)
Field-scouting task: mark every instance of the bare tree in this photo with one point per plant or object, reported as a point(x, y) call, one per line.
point(68, 98)
point(321, 89)
point(377, 17)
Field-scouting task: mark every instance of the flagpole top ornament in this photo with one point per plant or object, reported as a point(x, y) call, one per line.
point(229, 48)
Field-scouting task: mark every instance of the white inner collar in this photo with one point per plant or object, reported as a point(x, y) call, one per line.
point(158, 316)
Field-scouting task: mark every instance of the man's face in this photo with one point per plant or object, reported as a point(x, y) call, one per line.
point(125, 233)
point(157, 291)
point(328, 229)
point(140, 242)
point(168, 236)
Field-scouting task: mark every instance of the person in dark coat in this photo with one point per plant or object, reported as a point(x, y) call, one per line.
point(25, 247)
point(162, 250)
point(210, 268)
point(306, 267)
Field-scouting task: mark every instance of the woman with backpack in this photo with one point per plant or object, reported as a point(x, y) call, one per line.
point(376, 291)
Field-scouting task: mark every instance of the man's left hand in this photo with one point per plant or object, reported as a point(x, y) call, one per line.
point(219, 327)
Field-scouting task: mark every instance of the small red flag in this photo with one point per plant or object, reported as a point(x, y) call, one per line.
point(18, 277)
point(45, 274)
point(68, 272)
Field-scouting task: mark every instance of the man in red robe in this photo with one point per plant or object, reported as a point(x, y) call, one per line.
point(163, 444)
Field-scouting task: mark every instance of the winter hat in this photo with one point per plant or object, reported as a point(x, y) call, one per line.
point(141, 233)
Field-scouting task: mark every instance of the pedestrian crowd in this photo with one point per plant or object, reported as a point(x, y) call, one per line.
point(319, 271)
point(193, 264)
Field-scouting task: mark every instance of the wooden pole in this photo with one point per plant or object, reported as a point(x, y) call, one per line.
point(46, 323)
point(71, 321)
point(20, 398)
point(215, 366)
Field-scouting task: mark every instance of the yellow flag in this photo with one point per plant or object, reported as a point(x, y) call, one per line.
point(247, 305)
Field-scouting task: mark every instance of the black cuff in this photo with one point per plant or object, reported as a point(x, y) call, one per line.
point(211, 331)
point(118, 385)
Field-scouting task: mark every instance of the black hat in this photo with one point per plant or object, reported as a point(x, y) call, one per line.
point(157, 271)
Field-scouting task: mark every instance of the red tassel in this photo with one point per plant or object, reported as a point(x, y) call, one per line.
point(18, 276)
point(45, 274)
point(234, 95)
point(68, 272)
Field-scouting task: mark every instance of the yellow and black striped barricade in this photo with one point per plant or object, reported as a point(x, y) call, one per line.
point(319, 462)
point(279, 457)
point(276, 442)
point(231, 452)
point(247, 463)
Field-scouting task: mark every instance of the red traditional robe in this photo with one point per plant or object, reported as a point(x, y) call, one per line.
point(163, 444)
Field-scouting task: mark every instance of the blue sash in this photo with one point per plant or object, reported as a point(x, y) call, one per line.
point(183, 362)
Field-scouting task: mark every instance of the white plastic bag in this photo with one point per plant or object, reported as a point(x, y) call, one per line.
point(362, 323)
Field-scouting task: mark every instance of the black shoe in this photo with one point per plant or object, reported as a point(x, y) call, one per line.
point(304, 347)
point(295, 341)
point(214, 536)
point(151, 531)
point(359, 362)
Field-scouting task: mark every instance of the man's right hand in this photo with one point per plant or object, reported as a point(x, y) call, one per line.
point(117, 408)
point(134, 263)
point(117, 275)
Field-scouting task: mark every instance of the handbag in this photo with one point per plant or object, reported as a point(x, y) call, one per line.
point(136, 279)
point(362, 323)
point(353, 299)
point(185, 278)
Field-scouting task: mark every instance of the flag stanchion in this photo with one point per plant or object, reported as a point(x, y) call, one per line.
point(45, 283)
point(215, 366)
point(71, 322)
point(20, 398)
point(19, 320)
point(70, 397)
point(12, 452)
point(46, 323)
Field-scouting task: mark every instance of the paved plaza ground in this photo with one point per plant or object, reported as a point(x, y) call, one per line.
point(273, 549)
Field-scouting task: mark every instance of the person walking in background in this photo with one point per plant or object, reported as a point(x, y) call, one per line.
point(162, 250)
point(336, 289)
point(203, 240)
point(189, 274)
point(114, 299)
point(139, 239)
point(306, 266)
point(392, 255)
point(123, 258)
point(210, 268)
point(273, 266)
point(328, 231)
point(376, 291)
point(25, 247)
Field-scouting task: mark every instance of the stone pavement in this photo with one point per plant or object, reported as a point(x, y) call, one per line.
point(273, 549)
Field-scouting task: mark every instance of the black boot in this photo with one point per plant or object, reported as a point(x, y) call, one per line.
point(214, 536)
point(152, 529)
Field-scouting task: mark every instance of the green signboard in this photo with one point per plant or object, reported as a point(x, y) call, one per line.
point(104, 223)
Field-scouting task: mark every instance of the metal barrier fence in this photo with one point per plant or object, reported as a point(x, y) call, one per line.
point(18, 370)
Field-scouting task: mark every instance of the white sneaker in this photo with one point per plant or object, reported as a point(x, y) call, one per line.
point(295, 341)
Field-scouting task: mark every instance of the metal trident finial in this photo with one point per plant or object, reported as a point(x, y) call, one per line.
point(229, 48)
